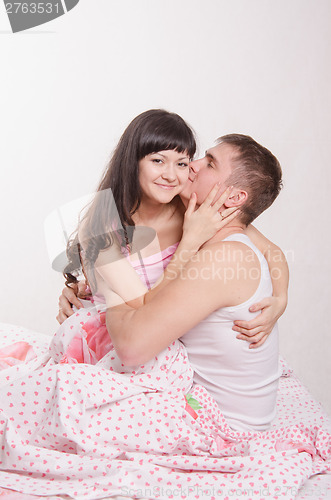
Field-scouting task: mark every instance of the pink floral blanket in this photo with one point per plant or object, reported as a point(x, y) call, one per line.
point(88, 431)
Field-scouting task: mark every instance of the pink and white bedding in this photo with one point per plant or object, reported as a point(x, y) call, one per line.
point(86, 431)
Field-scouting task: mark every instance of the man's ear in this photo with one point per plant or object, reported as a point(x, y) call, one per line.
point(236, 199)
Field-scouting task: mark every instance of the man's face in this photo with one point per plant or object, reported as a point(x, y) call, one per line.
point(206, 172)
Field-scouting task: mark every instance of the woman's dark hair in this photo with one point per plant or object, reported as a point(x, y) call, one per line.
point(152, 131)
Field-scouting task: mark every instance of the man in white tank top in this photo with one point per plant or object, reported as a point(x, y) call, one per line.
point(244, 384)
point(199, 302)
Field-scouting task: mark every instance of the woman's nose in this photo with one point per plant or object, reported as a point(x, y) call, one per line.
point(169, 173)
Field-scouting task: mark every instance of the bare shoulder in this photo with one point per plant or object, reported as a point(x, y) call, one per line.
point(261, 241)
point(105, 256)
point(227, 252)
point(227, 273)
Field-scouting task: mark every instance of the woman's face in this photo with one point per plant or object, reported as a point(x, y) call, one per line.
point(163, 175)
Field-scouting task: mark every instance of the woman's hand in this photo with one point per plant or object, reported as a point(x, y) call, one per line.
point(202, 224)
point(69, 298)
point(257, 330)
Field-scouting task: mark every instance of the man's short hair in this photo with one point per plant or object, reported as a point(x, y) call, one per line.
point(256, 170)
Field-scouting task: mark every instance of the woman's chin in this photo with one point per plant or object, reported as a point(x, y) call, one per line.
point(186, 192)
point(164, 195)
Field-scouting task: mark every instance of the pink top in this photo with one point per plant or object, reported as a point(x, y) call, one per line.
point(83, 337)
point(151, 268)
point(148, 269)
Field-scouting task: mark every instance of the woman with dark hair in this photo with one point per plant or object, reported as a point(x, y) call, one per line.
point(125, 240)
point(136, 218)
point(121, 201)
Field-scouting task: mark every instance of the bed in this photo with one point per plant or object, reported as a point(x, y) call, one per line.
point(291, 460)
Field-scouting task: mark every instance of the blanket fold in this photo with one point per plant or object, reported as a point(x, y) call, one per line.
point(86, 431)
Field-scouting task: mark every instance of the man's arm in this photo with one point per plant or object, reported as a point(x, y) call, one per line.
point(199, 226)
point(277, 262)
point(116, 277)
point(204, 286)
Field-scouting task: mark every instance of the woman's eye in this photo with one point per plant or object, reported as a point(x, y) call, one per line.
point(209, 165)
point(183, 165)
point(157, 161)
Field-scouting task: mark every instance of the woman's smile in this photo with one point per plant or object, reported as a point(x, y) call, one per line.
point(166, 186)
point(164, 171)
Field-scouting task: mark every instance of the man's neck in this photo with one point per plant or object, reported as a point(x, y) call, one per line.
point(235, 226)
point(231, 228)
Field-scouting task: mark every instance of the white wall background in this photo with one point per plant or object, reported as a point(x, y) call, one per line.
point(69, 88)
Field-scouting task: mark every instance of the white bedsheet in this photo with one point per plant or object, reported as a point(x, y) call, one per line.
point(295, 406)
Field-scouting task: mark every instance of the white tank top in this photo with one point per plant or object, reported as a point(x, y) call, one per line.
point(243, 381)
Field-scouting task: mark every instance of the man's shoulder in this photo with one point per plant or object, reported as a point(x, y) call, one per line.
point(228, 266)
point(227, 251)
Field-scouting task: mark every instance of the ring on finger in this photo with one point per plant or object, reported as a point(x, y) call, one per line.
point(222, 216)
